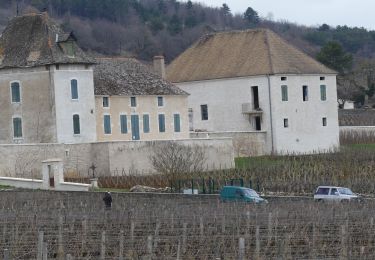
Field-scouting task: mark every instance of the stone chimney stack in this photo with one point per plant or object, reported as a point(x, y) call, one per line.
point(159, 66)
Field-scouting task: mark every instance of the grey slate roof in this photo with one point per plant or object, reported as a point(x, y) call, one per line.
point(127, 77)
point(34, 40)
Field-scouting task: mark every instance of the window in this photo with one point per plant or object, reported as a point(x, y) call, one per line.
point(107, 124)
point(105, 101)
point(258, 123)
point(305, 93)
point(17, 127)
point(322, 191)
point(334, 191)
point(323, 92)
point(283, 78)
point(322, 78)
point(191, 117)
point(324, 121)
point(160, 101)
point(284, 93)
point(123, 124)
point(74, 88)
point(204, 112)
point(161, 123)
point(16, 92)
point(133, 102)
point(146, 123)
point(286, 123)
point(177, 125)
point(76, 125)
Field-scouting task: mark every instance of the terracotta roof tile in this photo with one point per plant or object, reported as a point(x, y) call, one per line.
point(240, 54)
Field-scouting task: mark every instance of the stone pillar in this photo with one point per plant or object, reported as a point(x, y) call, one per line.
point(52, 168)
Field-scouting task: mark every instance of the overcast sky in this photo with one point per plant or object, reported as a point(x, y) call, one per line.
point(308, 12)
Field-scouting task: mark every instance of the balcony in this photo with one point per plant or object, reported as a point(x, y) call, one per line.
point(247, 108)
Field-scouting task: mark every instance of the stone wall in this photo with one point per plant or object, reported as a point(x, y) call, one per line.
point(251, 143)
point(109, 158)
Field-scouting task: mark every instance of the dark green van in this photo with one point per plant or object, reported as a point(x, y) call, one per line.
point(236, 193)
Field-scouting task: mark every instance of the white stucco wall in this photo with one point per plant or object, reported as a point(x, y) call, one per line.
point(66, 107)
point(305, 133)
point(224, 98)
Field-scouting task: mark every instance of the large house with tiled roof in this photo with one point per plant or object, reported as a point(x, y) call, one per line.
point(256, 87)
point(46, 84)
point(134, 103)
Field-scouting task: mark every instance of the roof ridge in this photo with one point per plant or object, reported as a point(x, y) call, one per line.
point(269, 52)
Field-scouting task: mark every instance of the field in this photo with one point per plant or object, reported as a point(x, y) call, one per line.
point(353, 166)
point(143, 226)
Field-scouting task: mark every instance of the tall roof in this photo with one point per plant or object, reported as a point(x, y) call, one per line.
point(240, 54)
point(35, 39)
point(127, 76)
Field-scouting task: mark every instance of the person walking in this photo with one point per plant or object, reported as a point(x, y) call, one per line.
point(107, 200)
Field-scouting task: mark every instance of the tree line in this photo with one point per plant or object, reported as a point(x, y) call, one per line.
point(144, 28)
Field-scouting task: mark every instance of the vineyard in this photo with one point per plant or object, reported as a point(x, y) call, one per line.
point(56, 225)
point(353, 166)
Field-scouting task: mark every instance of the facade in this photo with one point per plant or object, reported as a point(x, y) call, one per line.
point(46, 84)
point(262, 86)
point(133, 103)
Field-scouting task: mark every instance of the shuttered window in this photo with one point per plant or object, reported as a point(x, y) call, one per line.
point(323, 92)
point(16, 92)
point(146, 123)
point(124, 124)
point(76, 125)
point(107, 124)
point(284, 93)
point(17, 127)
point(177, 124)
point(74, 88)
point(161, 123)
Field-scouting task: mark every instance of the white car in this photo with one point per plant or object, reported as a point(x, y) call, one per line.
point(333, 193)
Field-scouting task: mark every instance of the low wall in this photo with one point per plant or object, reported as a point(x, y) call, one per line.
point(369, 129)
point(108, 158)
point(251, 143)
point(21, 183)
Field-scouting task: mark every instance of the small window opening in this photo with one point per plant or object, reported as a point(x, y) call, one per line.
point(305, 93)
point(286, 123)
point(255, 97)
point(283, 78)
point(258, 126)
point(324, 121)
point(322, 78)
point(204, 112)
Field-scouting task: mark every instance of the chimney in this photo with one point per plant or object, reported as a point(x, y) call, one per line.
point(159, 66)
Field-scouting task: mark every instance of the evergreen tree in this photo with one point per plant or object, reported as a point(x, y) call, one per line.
point(251, 16)
point(334, 57)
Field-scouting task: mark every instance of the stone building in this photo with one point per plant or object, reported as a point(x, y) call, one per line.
point(257, 88)
point(134, 103)
point(46, 84)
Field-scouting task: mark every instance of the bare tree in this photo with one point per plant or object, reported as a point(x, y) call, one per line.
point(174, 159)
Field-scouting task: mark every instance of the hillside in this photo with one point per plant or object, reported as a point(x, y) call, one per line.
point(144, 28)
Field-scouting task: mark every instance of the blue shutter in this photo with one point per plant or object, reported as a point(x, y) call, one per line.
point(177, 127)
point(76, 125)
point(107, 124)
point(146, 124)
point(124, 124)
point(161, 123)
point(17, 127)
point(16, 96)
point(74, 88)
point(284, 93)
point(323, 92)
